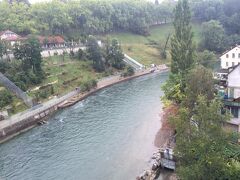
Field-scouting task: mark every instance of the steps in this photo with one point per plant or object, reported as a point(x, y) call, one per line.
point(130, 61)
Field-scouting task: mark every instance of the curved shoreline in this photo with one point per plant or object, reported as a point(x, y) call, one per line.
point(12, 128)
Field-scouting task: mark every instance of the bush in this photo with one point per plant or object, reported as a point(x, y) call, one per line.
point(44, 92)
point(5, 98)
point(87, 85)
point(71, 54)
point(129, 71)
point(81, 55)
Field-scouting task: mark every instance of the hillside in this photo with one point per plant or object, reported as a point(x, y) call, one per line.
point(146, 49)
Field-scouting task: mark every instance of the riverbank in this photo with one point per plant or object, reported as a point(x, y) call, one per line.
point(163, 140)
point(22, 121)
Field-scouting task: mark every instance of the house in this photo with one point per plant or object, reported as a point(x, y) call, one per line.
point(51, 42)
point(10, 37)
point(230, 58)
point(232, 98)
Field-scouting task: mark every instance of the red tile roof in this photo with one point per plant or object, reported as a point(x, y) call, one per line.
point(51, 39)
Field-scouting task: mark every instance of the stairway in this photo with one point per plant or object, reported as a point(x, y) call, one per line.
point(130, 61)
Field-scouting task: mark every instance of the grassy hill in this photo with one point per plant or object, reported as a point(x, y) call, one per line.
point(146, 49)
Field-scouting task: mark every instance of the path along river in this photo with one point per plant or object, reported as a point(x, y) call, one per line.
point(108, 136)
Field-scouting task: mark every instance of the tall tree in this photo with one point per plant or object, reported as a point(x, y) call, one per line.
point(29, 53)
point(115, 55)
point(182, 47)
point(199, 82)
point(95, 54)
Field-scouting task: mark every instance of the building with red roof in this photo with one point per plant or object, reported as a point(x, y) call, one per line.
point(10, 37)
point(51, 41)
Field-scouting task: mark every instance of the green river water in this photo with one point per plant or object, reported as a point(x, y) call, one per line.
point(108, 136)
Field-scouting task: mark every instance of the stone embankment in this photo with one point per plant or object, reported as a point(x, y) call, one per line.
point(31, 117)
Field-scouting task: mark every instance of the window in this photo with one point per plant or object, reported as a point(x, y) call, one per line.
point(231, 93)
point(233, 64)
point(234, 111)
point(238, 55)
point(227, 55)
point(226, 64)
point(233, 55)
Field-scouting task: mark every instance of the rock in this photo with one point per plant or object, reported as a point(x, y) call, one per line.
point(154, 167)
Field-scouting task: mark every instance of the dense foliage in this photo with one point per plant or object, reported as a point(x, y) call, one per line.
point(226, 16)
point(84, 16)
point(5, 98)
point(203, 149)
point(26, 70)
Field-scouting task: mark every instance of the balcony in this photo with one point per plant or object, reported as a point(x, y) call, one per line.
point(231, 102)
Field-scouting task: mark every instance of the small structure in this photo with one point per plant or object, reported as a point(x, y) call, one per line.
point(49, 42)
point(230, 58)
point(168, 159)
point(10, 37)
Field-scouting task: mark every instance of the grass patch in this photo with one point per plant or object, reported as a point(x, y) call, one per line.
point(65, 74)
point(146, 49)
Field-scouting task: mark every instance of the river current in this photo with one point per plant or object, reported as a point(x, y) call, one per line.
point(108, 136)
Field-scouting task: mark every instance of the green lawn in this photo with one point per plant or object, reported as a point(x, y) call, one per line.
point(65, 74)
point(146, 49)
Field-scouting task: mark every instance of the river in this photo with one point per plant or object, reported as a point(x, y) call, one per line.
point(108, 136)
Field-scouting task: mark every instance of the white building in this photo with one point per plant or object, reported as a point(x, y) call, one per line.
point(230, 58)
point(233, 83)
point(232, 101)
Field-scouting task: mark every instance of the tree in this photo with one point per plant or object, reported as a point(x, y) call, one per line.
point(95, 54)
point(201, 142)
point(182, 48)
point(206, 58)
point(173, 89)
point(199, 82)
point(212, 36)
point(29, 53)
point(115, 55)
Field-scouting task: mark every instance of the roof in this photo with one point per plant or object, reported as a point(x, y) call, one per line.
point(3, 32)
point(230, 50)
point(51, 39)
point(232, 69)
point(15, 37)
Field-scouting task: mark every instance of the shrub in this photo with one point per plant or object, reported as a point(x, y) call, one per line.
point(81, 55)
point(5, 98)
point(71, 54)
point(87, 85)
point(129, 71)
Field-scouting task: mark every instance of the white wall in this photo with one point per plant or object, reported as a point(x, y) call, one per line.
point(234, 82)
point(230, 61)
